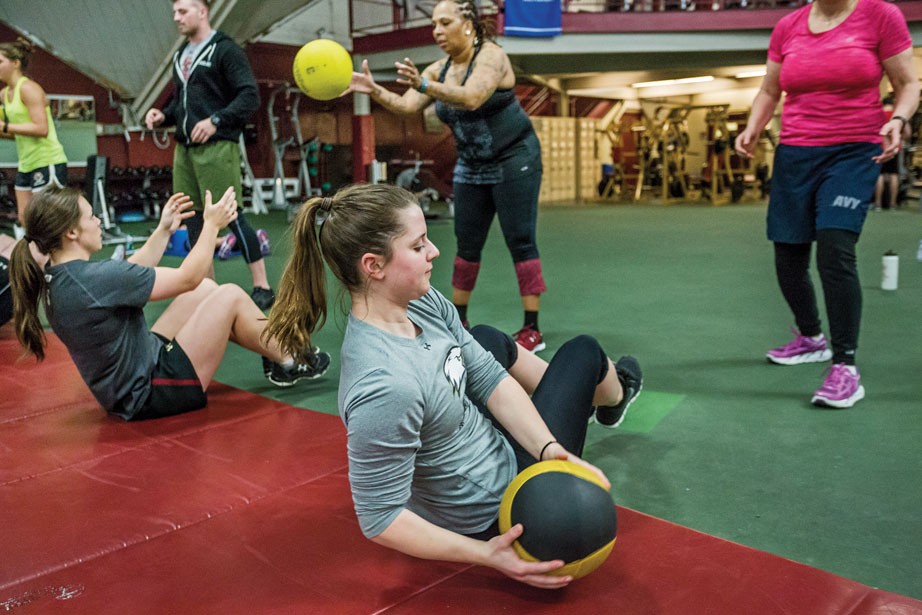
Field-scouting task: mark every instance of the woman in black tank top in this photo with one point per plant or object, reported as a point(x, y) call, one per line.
point(498, 171)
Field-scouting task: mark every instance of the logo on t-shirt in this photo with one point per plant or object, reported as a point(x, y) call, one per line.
point(454, 369)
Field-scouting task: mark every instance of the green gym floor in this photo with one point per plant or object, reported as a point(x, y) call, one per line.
point(720, 441)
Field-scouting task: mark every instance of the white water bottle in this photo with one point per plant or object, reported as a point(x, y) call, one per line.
point(891, 271)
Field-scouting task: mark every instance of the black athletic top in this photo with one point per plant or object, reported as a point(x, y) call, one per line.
point(490, 136)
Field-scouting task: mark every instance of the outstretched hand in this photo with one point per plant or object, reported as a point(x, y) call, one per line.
point(503, 557)
point(175, 212)
point(224, 211)
point(362, 82)
point(409, 74)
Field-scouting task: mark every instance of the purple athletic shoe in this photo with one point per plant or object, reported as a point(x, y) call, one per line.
point(802, 350)
point(841, 389)
point(227, 247)
point(263, 237)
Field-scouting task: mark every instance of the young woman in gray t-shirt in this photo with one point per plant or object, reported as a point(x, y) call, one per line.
point(439, 419)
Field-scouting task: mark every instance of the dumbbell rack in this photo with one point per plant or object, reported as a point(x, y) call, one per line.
point(111, 233)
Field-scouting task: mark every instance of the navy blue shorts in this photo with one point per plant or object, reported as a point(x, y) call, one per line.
point(175, 387)
point(823, 187)
point(36, 179)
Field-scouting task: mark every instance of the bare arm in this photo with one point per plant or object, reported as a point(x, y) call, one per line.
point(411, 534)
point(33, 97)
point(171, 217)
point(170, 282)
point(513, 408)
point(901, 71)
point(491, 68)
point(407, 103)
point(763, 107)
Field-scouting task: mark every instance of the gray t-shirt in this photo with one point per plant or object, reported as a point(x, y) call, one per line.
point(415, 438)
point(96, 310)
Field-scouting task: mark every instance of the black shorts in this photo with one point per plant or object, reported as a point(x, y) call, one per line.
point(6, 293)
point(37, 179)
point(175, 387)
point(891, 166)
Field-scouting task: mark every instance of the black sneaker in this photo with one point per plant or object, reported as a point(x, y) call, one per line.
point(263, 297)
point(315, 367)
point(267, 366)
point(267, 363)
point(631, 378)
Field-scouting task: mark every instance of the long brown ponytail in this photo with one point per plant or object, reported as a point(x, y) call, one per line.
point(49, 216)
point(359, 219)
point(300, 306)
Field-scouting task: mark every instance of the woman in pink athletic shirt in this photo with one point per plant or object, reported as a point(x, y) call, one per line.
point(828, 58)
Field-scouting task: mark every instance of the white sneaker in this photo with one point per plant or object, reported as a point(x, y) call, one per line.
point(18, 231)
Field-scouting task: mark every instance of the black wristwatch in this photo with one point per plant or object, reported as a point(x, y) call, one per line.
point(215, 119)
point(902, 120)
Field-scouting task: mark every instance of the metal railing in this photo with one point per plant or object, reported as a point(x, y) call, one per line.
point(392, 15)
point(649, 6)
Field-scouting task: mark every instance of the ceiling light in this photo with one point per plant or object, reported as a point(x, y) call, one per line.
point(651, 84)
point(750, 73)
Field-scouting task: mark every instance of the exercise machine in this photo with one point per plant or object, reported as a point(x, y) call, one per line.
point(662, 143)
point(612, 183)
point(290, 193)
point(417, 178)
point(97, 172)
point(253, 191)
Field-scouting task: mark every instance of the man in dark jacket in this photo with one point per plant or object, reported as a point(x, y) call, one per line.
point(214, 94)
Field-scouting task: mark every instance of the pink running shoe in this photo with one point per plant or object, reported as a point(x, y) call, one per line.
point(264, 248)
point(530, 338)
point(227, 247)
point(841, 389)
point(802, 350)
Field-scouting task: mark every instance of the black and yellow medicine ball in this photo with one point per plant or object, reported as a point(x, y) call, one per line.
point(566, 513)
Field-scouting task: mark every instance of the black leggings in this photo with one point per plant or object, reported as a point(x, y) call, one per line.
point(564, 395)
point(515, 202)
point(247, 242)
point(837, 266)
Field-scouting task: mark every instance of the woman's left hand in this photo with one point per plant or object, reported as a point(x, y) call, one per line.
point(892, 140)
point(175, 212)
point(409, 74)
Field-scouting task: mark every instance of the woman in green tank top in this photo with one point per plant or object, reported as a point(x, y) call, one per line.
point(26, 117)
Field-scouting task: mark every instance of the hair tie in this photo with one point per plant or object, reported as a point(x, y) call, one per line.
point(544, 448)
point(28, 239)
point(326, 205)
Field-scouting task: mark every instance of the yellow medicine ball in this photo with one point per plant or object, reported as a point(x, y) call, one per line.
point(322, 69)
point(566, 513)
